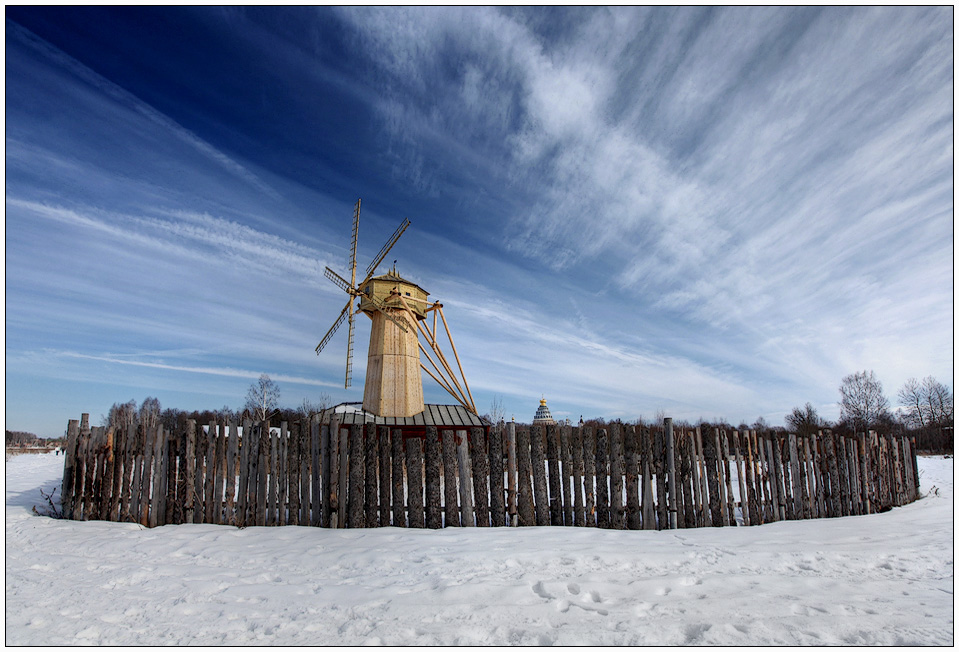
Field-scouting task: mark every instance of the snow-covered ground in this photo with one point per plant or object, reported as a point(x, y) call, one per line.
point(882, 579)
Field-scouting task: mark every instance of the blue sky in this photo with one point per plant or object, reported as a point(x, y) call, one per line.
point(715, 213)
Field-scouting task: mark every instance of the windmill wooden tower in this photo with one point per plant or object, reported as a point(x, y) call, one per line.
point(398, 308)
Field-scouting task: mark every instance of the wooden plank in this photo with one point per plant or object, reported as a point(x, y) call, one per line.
point(69, 463)
point(343, 470)
point(579, 469)
point(219, 479)
point(282, 447)
point(414, 481)
point(796, 508)
point(434, 513)
point(399, 495)
point(617, 511)
point(752, 482)
point(273, 479)
point(479, 456)
point(740, 476)
point(686, 516)
point(511, 479)
point(146, 478)
point(169, 483)
point(116, 475)
point(356, 491)
point(465, 470)
point(730, 499)
point(292, 472)
point(386, 477)
point(659, 469)
point(634, 517)
point(694, 470)
point(648, 465)
point(602, 479)
point(451, 507)
point(316, 473)
point(243, 474)
point(304, 458)
point(711, 466)
point(327, 452)
point(497, 505)
point(589, 475)
point(262, 466)
point(525, 515)
point(553, 476)
point(671, 472)
point(835, 499)
point(566, 462)
point(776, 475)
point(108, 500)
point(372, 489)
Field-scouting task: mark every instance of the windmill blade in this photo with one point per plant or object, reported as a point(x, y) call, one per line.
point(340, 281)
point(336, 324)
point(356, 229)
point(386, 249)
point(349, 351)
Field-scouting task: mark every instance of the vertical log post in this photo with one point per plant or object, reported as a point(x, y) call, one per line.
point(399, 492)
point(414, 481)
point(741, 478)
point(497, 492)
point(434, 514)
point(525, 515)
point(648, 505)
point(316, 468)
point(372, 497)
point(480, 461)
point(540, 495)
point(357, 472)
point(566, 459)
point(386, 477)
point(589, 475)
point(452, 510)
point(466, 479)
point(634, 516)
point(671, 472)
point(511, 478)
point(617, 511)
point(602, 485)
point(579, 511)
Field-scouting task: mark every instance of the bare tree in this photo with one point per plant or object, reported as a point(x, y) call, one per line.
point(863, 403)
point(804, 420)
point(262, 398)
point(496, 410)
point(150, 413)
point(310, 408)
point(122, 415)
point(911, 398)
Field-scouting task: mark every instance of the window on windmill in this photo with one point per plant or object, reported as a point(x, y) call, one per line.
point(407, 294)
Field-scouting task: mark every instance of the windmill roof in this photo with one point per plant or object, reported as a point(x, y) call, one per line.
point(392, 276)
point(433, 415)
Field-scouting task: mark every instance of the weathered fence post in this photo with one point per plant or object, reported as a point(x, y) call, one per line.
point(480, 460)
point(525, 516)
point(316, 497)
point(566, 459)
point(648, 505)
point(617, 513)
point(452, 509)
point(589, 475)
point(553, 479)
point(497, 506)
point(386, 477)
point(579, 469)
point(671, 472)
point(434, 514)
point(511, 470)
point(602, 478)
point(414, 481)
point(69, 461)
point(371, 497)
point(466, 479)
point(357, 477)
point(634, 517)
point(399, 494)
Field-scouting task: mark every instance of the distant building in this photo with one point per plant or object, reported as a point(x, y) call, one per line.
point(542, 414)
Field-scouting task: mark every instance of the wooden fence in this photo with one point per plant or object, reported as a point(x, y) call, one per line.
point(619, 477)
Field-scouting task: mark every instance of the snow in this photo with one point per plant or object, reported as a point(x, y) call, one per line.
point(882, 579)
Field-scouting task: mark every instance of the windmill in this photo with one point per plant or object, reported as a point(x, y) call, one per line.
point(397, 307)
